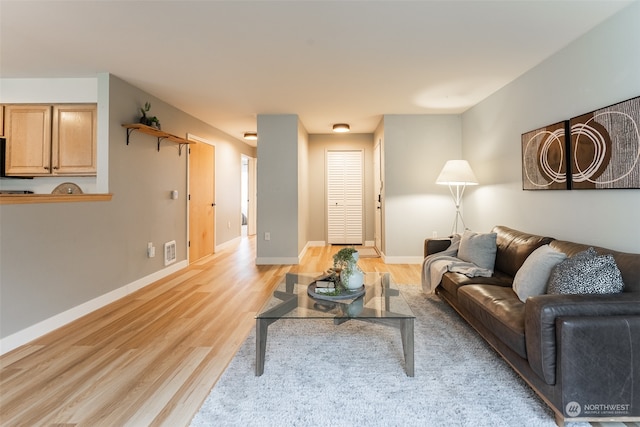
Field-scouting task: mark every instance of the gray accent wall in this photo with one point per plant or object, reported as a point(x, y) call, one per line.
point(55, 257)
point(278, 189)
point(598, 69)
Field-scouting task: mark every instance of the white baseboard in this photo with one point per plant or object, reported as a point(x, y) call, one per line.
point(44, 327)
point(228, 243)
point(316, 243)
point(369, 243)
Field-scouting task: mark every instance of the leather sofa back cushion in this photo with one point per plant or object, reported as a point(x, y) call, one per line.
point(628, 264)
point(513, 247)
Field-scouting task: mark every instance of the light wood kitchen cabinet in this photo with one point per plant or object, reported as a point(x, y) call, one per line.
point(73, 148)
point(45, 140)
point(28, 133)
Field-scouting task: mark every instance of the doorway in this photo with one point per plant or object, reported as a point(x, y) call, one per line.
point(378, 188)
point(202, 196)
point(248, 196)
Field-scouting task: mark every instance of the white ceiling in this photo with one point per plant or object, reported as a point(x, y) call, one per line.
point(225, 62)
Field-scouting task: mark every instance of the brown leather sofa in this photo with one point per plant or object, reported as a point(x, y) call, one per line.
point(580, 353)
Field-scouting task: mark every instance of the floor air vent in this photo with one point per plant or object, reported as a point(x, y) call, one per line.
point(170, 252)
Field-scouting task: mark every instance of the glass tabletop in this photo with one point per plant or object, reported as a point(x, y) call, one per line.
point(382, 299)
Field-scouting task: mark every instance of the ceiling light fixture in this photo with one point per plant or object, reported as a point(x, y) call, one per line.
point(341, 127)
point(251, 136)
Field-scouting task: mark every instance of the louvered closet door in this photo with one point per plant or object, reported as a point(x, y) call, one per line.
point(344, 197)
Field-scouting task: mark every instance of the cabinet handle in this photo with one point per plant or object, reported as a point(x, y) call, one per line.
point(56, 168)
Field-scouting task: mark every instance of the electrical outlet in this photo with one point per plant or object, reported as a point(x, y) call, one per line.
point(267, 236)
point(229, 224)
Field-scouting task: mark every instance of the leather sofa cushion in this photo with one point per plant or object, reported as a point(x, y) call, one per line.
point(499, 310)
point(513, 247)
point(453, 281)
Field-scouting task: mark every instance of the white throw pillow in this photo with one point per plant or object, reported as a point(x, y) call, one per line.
point(531, 279)
point(478, 248)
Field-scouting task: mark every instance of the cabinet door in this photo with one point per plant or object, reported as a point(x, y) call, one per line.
point(28, 133)
point(74, 140)
point(2, 120)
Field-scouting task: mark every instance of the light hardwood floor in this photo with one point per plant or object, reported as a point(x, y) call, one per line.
point(152, 357)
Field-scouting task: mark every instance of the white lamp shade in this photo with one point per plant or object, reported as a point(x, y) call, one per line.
point(457, 172)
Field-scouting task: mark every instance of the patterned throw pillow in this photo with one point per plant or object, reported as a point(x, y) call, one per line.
point(586, 273)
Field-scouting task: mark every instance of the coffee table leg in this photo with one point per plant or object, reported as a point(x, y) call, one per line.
point(261, 344)
point(406, 330)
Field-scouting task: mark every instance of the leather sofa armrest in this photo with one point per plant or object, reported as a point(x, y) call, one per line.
point(542, 311)
point(434, 245)
point(598, 365)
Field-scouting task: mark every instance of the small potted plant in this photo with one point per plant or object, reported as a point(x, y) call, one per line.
point(350, 274)
point(148, 121)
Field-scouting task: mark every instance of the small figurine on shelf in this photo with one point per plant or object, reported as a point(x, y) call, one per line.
point(149, 121)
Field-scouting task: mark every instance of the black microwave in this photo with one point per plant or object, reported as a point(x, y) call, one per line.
point(3, 161)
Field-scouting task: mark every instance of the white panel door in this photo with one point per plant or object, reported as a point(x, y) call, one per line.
point(344, 197)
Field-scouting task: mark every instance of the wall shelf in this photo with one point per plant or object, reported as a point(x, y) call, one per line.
point(160, 135)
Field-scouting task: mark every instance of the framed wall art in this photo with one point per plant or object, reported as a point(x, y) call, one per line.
point(605, 147)
point(544, 158)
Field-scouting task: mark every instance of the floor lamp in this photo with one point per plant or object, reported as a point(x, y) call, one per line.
point(458, 174)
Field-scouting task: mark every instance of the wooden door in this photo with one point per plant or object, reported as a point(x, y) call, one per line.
point(201, 200)
point(344, 197)
point(28, 133)
point(74, 136)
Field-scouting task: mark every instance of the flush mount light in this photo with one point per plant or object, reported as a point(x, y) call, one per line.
point(341, 127)
point(251, 136)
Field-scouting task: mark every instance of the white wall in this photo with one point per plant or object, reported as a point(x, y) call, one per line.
point(415, 149)
point(598, 69)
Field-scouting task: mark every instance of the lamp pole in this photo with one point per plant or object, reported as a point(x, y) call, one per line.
point(457, 199)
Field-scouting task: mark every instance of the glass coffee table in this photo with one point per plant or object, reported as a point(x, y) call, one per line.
point(381, 303)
